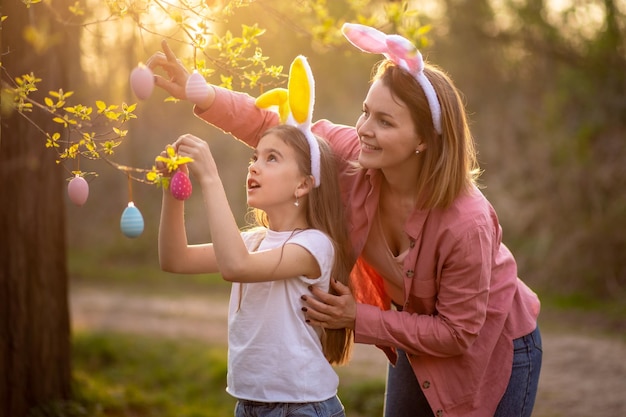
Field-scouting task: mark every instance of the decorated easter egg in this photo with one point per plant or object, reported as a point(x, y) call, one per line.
point(78, 190)
point(180, 186)
point(196, 88)
point(131, 222)
point(142, 81)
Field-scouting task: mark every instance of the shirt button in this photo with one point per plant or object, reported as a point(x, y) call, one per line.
point(412, 243)
point(426, 384)
point(439, 413)
point(410, 273)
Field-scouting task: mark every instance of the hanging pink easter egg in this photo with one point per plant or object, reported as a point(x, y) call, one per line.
point(142, 81)
point(78, 190)
point(196, 88)
point(180, 186)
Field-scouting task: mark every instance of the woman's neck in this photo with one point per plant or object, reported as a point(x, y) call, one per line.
point(400, 185)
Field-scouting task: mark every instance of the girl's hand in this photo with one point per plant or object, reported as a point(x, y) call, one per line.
point(175, 70)
point(331, 311)
point(203, 166)
point(162, 167)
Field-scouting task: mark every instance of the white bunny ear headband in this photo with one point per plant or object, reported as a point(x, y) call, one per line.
point(295, 106)
point(402, 52)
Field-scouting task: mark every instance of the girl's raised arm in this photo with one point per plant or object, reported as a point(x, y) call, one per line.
point(234, 261)
point(175, 254)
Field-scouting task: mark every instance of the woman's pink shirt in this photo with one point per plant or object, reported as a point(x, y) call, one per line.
point(459, 278)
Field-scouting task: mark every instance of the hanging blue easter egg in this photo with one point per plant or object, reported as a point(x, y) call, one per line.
point(131, 222)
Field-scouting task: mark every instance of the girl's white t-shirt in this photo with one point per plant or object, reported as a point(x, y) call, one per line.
point(273, 354)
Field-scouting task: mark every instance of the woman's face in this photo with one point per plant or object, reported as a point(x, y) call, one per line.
point(386, 130)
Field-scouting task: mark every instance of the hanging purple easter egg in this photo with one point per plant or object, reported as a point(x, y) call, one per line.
point(78, 190)
point(142, 81)
point(196, 88)
point(131, 222)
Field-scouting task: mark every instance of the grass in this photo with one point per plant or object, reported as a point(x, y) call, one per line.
point(142, 376)
point(119, 375)
point(127, 375)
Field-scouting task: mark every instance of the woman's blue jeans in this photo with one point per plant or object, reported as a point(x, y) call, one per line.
point(404, 397)
point(331, 407)
point(519, 398)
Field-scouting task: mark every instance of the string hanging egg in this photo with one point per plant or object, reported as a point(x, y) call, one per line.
point(78, 190)
point(196, 88)
point(131, 222)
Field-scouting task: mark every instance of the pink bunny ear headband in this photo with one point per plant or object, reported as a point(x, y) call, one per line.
point(402, 52)
point(295, 106)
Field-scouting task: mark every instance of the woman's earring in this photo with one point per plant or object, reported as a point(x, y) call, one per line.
point(296, 203)
point(417, 151)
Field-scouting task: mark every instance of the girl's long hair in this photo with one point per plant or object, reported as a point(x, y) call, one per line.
point(324, 212)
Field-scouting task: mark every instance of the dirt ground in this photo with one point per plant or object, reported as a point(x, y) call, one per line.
point(584, 364)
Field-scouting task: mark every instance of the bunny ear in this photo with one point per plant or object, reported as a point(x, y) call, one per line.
point(404, 50)
point(301, 90)
point(276, 97)
point(366, 38)
point(295, 107)
point(301, 100)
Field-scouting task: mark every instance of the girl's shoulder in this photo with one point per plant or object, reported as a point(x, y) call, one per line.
point(252, 237)
point(311, 236)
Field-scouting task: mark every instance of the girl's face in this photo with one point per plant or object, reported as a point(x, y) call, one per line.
point(386, 131)
point(273, 175)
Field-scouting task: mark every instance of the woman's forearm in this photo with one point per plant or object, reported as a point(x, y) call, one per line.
point(235, 113)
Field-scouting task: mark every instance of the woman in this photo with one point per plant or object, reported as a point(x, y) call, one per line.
point(434, 287)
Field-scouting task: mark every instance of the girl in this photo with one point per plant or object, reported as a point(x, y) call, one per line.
point(434, 286)
point(272, 351)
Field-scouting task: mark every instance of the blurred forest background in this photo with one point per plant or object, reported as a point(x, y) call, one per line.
point(544, 82)
point(545, 87)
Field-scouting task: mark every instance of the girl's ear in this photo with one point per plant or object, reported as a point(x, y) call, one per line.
point(305, 186)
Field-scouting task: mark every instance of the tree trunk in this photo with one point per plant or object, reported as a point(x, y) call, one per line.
point(35, 343)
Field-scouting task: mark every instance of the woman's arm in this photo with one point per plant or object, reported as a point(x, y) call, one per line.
point(461, 304)
point(236, 113)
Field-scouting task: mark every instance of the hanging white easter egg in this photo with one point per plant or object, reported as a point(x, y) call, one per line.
point(131, 222)
point(196, 88)
point(78, 190)
point(142, 81)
